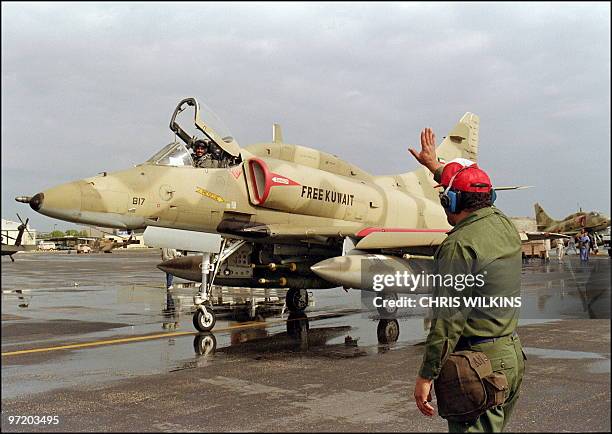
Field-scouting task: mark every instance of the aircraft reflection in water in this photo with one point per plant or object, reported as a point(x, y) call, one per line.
point(271, 215)
point(299, 337)
point(569, 289)
point(255, 335)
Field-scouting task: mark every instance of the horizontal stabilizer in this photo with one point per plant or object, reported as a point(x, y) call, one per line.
point(538, 236)
point(512, 187)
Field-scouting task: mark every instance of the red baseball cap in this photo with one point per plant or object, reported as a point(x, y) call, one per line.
point(471, 178)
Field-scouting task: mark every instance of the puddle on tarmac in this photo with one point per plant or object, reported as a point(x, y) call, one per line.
point(546, 353)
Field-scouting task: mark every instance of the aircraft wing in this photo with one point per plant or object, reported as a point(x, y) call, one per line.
point(285, 230)
point(367, 238)
point(389, 238)
point(538, 236)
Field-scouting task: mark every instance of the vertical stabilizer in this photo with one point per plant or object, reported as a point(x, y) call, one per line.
point(461, 142)
point(277, 133)
point(543, 220)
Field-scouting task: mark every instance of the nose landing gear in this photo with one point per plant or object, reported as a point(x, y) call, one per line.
point(204, 317)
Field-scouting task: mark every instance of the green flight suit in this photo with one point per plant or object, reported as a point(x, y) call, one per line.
point(485, 243)
point(206, 161)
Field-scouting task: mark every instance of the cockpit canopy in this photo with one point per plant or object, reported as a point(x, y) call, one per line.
point(213, 132)
point(174, 154)
point(211, 129)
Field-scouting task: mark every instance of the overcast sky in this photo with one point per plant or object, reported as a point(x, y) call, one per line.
point(91, 87)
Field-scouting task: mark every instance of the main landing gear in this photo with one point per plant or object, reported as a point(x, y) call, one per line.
point(204, 317)
point(296, 300)
point(387, 331)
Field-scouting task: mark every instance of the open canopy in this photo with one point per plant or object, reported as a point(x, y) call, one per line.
point(210, 128)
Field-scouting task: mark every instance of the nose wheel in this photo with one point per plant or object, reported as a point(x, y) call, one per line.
point(204, 318)
point(205, 344)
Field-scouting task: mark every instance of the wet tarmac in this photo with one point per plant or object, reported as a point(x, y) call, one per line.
point(97, 340)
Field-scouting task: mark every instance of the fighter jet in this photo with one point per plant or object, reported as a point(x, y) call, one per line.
point(285, 215)
point(572, 224)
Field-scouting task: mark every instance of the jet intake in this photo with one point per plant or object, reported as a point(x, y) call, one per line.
point(311, 191)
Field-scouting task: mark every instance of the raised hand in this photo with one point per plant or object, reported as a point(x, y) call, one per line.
point(427, 157)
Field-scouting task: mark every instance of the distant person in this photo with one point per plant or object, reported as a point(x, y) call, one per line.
point(560, 249)
point(585, 246)
point(571, 244)
point(594, 247)
point(166, 255)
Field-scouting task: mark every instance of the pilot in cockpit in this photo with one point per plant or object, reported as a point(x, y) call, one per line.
point(201, 154)
point(209, 155)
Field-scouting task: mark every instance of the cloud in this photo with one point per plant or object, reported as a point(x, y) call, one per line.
point(89, 87)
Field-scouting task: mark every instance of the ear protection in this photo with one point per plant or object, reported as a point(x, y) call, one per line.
point(451, 200)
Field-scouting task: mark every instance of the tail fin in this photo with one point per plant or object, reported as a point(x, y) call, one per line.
point(277, 133)
point(543, 220)
point(461, 142)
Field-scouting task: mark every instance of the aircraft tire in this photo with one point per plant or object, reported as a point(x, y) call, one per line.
point(387, 331)
point(205, 344)
point(296, 300)
point(387, 312)
point(297, 325)
point(204, 323)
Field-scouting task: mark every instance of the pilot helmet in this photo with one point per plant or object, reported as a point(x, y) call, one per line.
point(216, 150)
point(200, 143)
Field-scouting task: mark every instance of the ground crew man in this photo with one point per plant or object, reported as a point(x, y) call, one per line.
point(560, 249)
point(166, 255)
point(483, 242)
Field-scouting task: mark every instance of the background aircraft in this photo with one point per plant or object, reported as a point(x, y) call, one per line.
point(572, 224)
point(11, 249)
point(107, 245)
point(282, 215)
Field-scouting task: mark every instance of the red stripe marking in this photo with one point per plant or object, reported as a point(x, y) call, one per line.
point(368, 231)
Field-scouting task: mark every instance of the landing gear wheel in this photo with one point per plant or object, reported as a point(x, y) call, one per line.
point(387, 331)
point(205, 344)
point(297, 325)
point(296, 300)
point(385, 311)
point(204, 322)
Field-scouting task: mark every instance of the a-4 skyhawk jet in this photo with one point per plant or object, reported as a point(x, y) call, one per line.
point(285, 215)
point(592, 222)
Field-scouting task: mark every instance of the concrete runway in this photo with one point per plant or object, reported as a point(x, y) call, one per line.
point(97, 341)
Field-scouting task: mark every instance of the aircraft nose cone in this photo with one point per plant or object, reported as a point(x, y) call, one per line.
point(62, 202)
point(37, 201)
